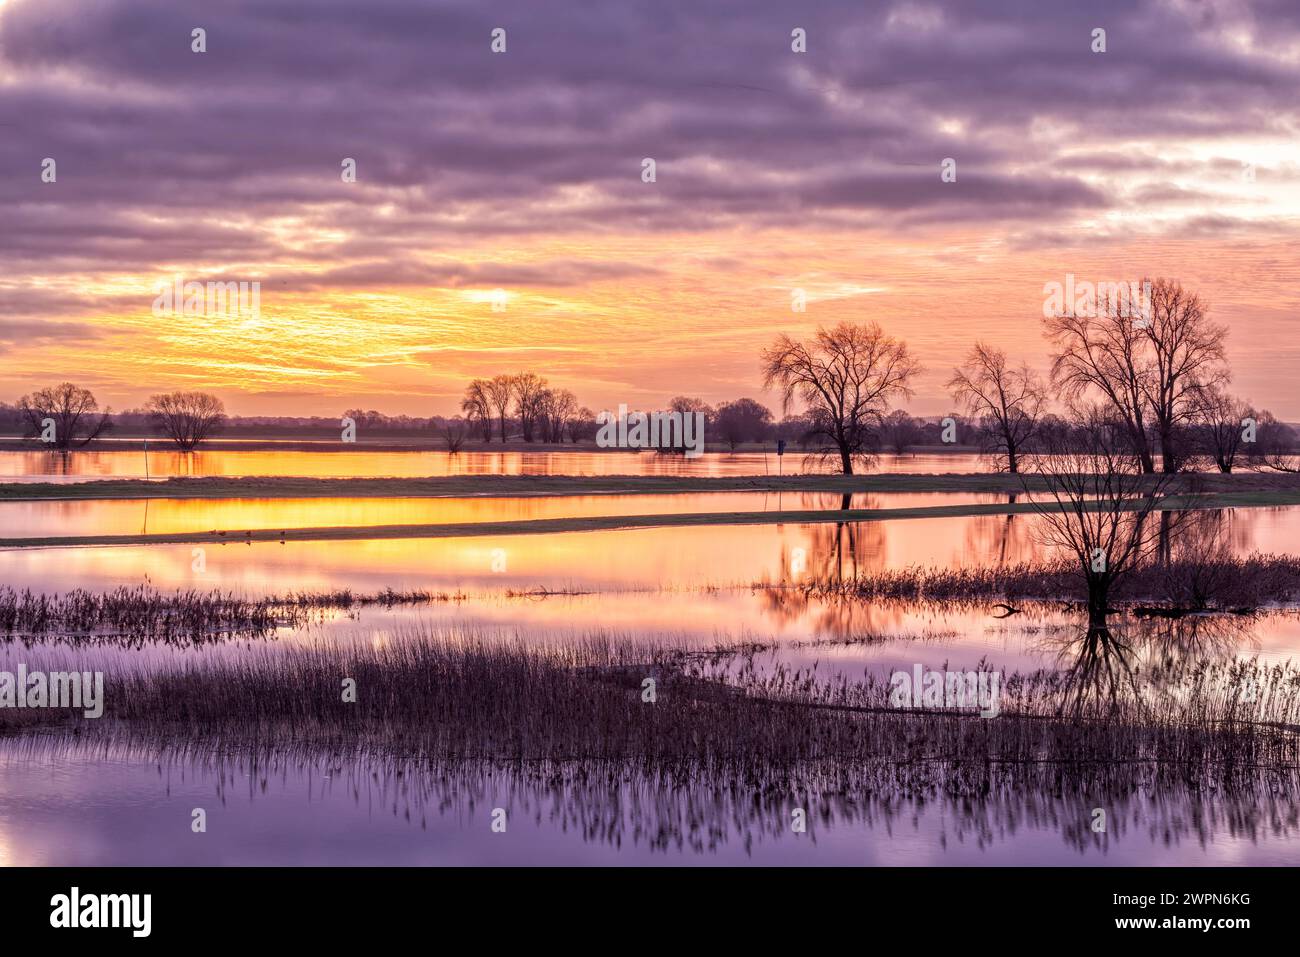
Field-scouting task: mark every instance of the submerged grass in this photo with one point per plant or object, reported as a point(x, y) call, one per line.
point(623, 806)
point(452, 696)
point(1202, 584)
point(136, 615)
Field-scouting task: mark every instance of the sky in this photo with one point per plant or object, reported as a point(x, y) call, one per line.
point(1173, 153)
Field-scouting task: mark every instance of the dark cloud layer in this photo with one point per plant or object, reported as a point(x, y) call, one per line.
point(167, 156)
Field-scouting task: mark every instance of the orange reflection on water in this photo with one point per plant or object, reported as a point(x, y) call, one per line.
point(627, 559)
point(127, 517)
point(335, 463)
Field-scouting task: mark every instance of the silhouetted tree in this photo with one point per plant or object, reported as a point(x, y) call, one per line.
point(477, 406)
point(899, 432)
point(583, 425)
point(500, 390)
point(1187, 355)
point(453, 433)
point(1104, 354)
point(187, 418)
point(1004, 403)
point(743, 420)
point(847, 376)
point(1098, 503)
point(556, 408)
point(1219, 426)
point(530, 397)
point(1145, 368)
point(688, 405)
point(71, 409)
point(1275, 445)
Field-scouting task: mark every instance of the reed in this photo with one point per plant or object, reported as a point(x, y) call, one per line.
point(1202, 584)
point(455, 696)
point(626, 804)
point(137, 615)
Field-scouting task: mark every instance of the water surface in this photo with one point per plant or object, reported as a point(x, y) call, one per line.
point(64, 804)
point(80, 466)
point(55, 517)
point(113, 802)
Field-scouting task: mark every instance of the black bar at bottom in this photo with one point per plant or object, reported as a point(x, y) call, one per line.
point(331, 906)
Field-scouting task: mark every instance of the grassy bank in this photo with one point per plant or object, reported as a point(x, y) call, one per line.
point(1209, 583)
point(618, 522)
point(500, 486)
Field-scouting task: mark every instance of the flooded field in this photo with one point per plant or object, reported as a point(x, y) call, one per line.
point(656, 558)
point(79, 466)
point(37, 519)
point(733, 598)
point(95, 807)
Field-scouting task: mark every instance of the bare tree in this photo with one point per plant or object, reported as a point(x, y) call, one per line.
point(1146, 368)
point(1187, 355)
point(477, 406)
point(454, 432)
point(583, 425)
point(1219, 422)
point(530, 396)
point(1099, 503)
point(1275, 445)
point(846, 376)
point(743, 420)
point(899, 432)
point(500, 390)
point(1103, 354)
point(1005, 404)
point(688, 405)
point(1051, 428)
point(70, 409)
point(187, 418)
point(367, 420)
point(545, 423)
point(558, 408)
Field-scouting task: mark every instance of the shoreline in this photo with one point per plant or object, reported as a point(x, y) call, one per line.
point(515, 486)
point(615, 523)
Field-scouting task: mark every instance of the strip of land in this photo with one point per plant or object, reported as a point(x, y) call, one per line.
point(511, 486)
point(616, 522)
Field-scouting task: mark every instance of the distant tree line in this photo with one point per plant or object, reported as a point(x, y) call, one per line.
point(1159, 382)
point(525, 401)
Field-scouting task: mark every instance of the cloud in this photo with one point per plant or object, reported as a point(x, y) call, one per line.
point(233, 155)
point(41, 333)
point(523, 170)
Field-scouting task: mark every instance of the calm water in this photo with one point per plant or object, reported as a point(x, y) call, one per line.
point(129, 802)
point(66, 804)
point(657, 558)
point(119, 517)
point(683, 583)
point(82, 466)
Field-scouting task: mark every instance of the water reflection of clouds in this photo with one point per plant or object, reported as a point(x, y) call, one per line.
point(335, 808)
